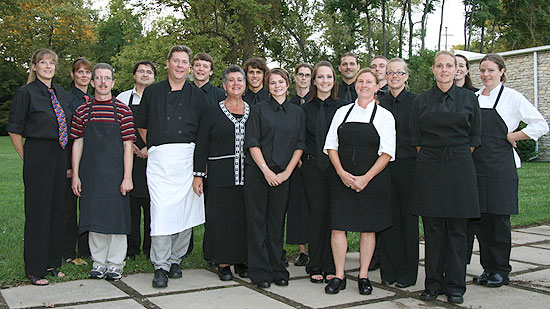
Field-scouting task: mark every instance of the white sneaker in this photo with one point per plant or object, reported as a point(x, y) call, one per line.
point(113, 273)
point(97, 272)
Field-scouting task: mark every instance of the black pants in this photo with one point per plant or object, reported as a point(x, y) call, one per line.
point(70, 228)
point(399, 258)
point(297, 212)
point(445, 254)
point(494, 234)
point(317, 187)
point(265, 208)
point(44, 176)
point(134, 239)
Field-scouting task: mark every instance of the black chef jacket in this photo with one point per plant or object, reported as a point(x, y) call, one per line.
point(400, 107)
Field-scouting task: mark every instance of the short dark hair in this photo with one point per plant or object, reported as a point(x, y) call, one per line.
point(349, 54)
point(204, 57)
point(496, 58)
point(180, 48)
point(81, 62)
point(380, 57)
point(105, 66)
point(303, 65)
point(313, 88)
point(278, 71)
point(145, 62)
point(256, 63)
point(232, 69)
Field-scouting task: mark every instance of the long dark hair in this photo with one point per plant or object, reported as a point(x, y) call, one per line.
point(467, 80)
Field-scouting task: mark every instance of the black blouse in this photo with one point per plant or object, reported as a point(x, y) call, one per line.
point(170, 116)
point(342, 88)
point(31, 112)
point(459, 100)
point(400, 107)
point(220, 147)
point(77, 97)
point(311, 110)
point(254, 98)
point(214, 95)
point(261, 127)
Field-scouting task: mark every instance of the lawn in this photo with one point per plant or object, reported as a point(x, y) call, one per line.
point(534, 198)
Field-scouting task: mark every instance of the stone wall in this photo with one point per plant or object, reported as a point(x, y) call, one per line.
point(520, 76)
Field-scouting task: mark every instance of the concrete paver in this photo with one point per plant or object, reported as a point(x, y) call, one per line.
point(537, 279)
point(59, 293)
point(232, 297)
point(401, 303)
point(117, 304)
point(475, 269)
point(532, 255)
point(520, 238)
point(542, 229)
point(503, 297)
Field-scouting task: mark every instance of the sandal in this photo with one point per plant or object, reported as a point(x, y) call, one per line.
point(36, 281)
point(316, 272)
point(55, 273)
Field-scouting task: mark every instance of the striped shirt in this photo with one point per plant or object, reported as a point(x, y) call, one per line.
point(102, 111)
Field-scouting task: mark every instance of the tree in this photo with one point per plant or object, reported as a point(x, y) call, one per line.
point(526, 23)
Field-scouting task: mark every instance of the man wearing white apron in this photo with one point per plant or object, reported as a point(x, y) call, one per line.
point(168, 120)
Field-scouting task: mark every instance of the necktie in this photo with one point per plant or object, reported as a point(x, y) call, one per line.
point(442, 106)
point(61, 121)
point(279, 140)
point(347, 95)
point(394, 107)
point(320, 135)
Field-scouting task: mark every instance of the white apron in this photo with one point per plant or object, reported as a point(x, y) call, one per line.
point(174, 205)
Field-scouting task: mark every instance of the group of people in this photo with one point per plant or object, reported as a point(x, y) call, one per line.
point(365, 155)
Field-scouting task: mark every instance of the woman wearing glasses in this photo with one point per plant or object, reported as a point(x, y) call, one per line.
point(40, 113)
point(400, 257)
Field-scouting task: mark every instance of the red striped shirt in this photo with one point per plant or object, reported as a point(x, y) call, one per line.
point(102, 111)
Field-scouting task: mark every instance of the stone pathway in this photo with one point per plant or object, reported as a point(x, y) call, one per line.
point(199, 288)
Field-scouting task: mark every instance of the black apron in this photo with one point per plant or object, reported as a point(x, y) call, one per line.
point(497, 176)
point(138, 172)
point(103, 209)
point(445, 178)
point(368, 210)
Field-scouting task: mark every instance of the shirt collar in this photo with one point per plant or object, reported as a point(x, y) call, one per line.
point(451, 92)
point(206, 87)
point(370, 106)
point(134, 92)
point(275, 105)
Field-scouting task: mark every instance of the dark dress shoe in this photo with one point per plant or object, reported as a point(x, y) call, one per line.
point(160, 280)
point(429, 295)
point(242, 270)
point(175, 271)
point(482, 279)
point(402, 285)
point(263, 284)
point(335, 285)
point(387, 282)
point(280, 282)
point(496, 280)
point(301, 260)
point(455, 298)
point(374, 265)
point(365, 288)
point(225, 273)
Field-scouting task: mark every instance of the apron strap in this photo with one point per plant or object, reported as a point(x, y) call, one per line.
point(498, 97)
point(347, 114)
point(373, 112)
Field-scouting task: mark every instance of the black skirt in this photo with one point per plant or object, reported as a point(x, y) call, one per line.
point(226, 225)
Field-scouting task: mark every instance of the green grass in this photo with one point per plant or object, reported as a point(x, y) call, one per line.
point(534, 198)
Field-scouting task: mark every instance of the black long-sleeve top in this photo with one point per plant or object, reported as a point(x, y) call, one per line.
point(260, 130)
point(77, 97)
point(220, 146)
point(461, 101)
point(342, 91)
point(311, 109)
point(400, 107)
point(298, 100)
point(254, 98)
point(170, 116)
point(214, 95)
point(32, 114)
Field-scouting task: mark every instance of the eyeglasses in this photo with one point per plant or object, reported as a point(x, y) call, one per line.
point(398, 73)
point(142, 71)
point(302, 75)
point(103, 78)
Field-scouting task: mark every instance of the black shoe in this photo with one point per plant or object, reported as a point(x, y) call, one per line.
point(481, 280)
point(280, 282)
point(325, 275)
point(175, 271)
point(429, 295)
point(225, 273)
point(455, 298)
point(402, 285)
point(242, 270)
point(365, 288)
point(301, 260)
point(387, 282)
point(263, 284)
point(160, 280)
point(496, 280)
point(335, 285)
point(315, 271)
point(374, 265)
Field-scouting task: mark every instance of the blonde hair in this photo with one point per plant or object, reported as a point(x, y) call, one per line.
point(37, 57)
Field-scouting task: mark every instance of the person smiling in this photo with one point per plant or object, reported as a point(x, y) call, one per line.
point(202, 69)
point(40, 112)
point(256, 70)
point(462, 76)
point(275, 140)
point(348, 66)
point(502, 109)
point(360, 143)
point(399, 254)
point(445, 127)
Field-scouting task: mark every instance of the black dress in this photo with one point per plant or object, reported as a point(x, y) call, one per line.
point(368, 210)
point(220, 151)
